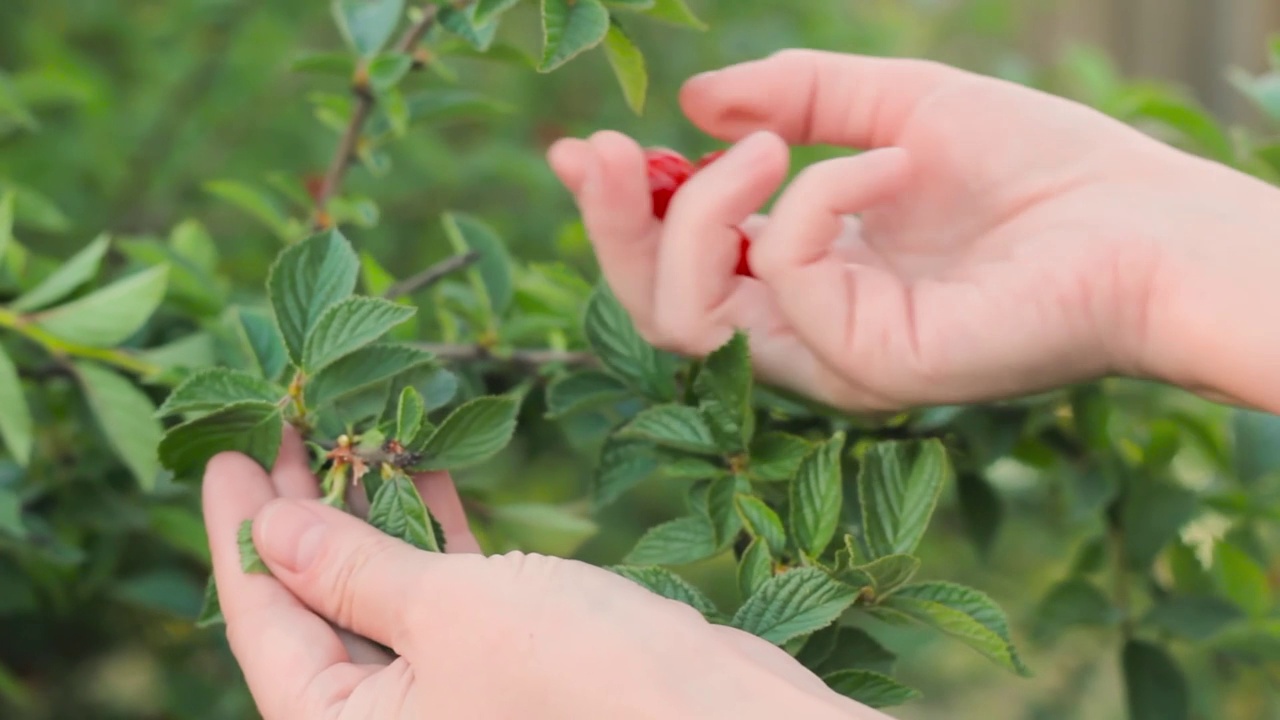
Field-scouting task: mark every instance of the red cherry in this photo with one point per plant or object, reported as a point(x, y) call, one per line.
point(744, 265)
point(668, 170)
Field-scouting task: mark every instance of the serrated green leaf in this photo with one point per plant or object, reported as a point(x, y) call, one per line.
point(1071, 603)
point(492, 274)
point(250, 427)
point(410, 413)
point(107, 317)
point(838, 648)
point(397, 509)
point(870, 688)
point(888, 573)
point(622, 465)
point(474, 432)
point(898, 488)
point(762, 522)
point(776, 456)
point(677, 542)
point(211, 611)
point(723, 389)
point(581, 391)
point(569, 28)
point(1155, 688)
point(362, 369)
point(15, 414)
point(75, 272)
point(212, 388)
point(367, 25)
point(675, 12)
point(961, 612)
point(721, 506)
point(754, 567)
point(260, 336)
point(981, 509)
point(437, 386)
point(623, 352)
point(816, 497)
point(691, 468)
point(1154, 511)
point(349, 325)
point(250, 561)
point(671, 586)
point(678, 427)
point(463, 23)
point(794, 603)
point(487, 10)
point(306, 279)
point(126, 416)
point(627, 62)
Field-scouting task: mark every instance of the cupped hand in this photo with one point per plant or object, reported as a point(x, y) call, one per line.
point(993, 240)
point(474, 637)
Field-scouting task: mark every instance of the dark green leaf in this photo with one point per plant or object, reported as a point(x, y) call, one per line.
point(964, 613)
point(1155, 687)
point(816, 497)
point(492, 275)
point(15, 413)
point(397, 510)
point(678, 427)
point(249, 427)
point(981, 509)
point(1072, 603)
point(677, 542)
point(411, 411)
point(1257, 445)
point(212, 388)
point(365, 368)
point(569, 28)
point(794, 603)
point(262, 338)
point(888, 573)
point(623, 352)
point(723, 388)
point(108, 316)
point(1154, 512)
point(367, 25)
point(754, 567)
point(462, 22)
point(583, 390)
point(211, 611)
point(127, 418)
point(692, 468)
point(623, 464)
point(847, 648)
point(669, 585)
point(347, 326)
point(70, 275)
point(721, 508)
point(306, 279)
point(250, 561)
point(776, 456)
point(474, 432)
point(628, 66)
point(762, 522)
point(870, 688)
point(1194, 617)
point(898, 488)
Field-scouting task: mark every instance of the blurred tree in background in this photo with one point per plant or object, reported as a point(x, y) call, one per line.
point(190, 131)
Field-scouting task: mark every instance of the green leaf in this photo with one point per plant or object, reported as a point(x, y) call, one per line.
point(569, 28)
point(1239, 577)
point(722, 508)
point(898, 488)
point(961, 612)
point(211, 611)
point(691, 468)
point(888, 573)
point(397, 510)
point(411, 411)
point(1256, 450)
point(1155, 688)
point(1154, 511)
point(474, 432)
point(1194, 617)
point(306, 279)
point(260, 336)
point(677, 542)
point(629, 5)
point(622, 465)
point(671, 586)
point(622, 351)
point(981, 509)
point(795, 603)
point(69, 276)
point(676, 12)
point(492, 274)
point(126, 416)
point(15, 413)
point(628, 66)
point(678, 427)
point(870, 688)
point(349, 325)
point(254, 202)
point(754, 567)
point(723, 389)
point(487, 10)
point(845, 648)
point(1072, 603)
point(107, 317)
point(463, 23)
point(11, 521)
point(367, 367)
point(250, 427)
point(1193, 123)
point(386, 71)
point(816, 497)
point(6, 224)
point(776, 456)
point(212, 388)
point(367, 25)
point(581, 391)
point(250, 561)
point(762, 522)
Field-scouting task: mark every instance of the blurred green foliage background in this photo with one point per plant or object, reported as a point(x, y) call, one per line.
point(135, 106)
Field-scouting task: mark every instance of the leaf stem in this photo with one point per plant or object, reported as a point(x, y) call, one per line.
point(431, 275)
point(62, 349)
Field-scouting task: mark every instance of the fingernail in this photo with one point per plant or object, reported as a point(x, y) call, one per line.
point(290, 534)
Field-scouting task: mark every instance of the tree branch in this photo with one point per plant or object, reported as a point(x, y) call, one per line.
point(525, 358)
point(430, 276)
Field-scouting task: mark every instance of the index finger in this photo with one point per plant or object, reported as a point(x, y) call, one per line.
point(811, 97)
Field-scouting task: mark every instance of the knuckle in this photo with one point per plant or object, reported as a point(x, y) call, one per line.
point(344, 583)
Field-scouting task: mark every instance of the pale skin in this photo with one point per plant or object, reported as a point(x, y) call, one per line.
point(993, 241)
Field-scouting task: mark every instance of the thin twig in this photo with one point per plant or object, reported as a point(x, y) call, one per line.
point(347, 147)
point(524, 357)
point(430, 276)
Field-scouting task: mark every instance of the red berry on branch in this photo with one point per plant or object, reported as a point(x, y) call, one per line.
point(668, 170)
point(744, 264)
